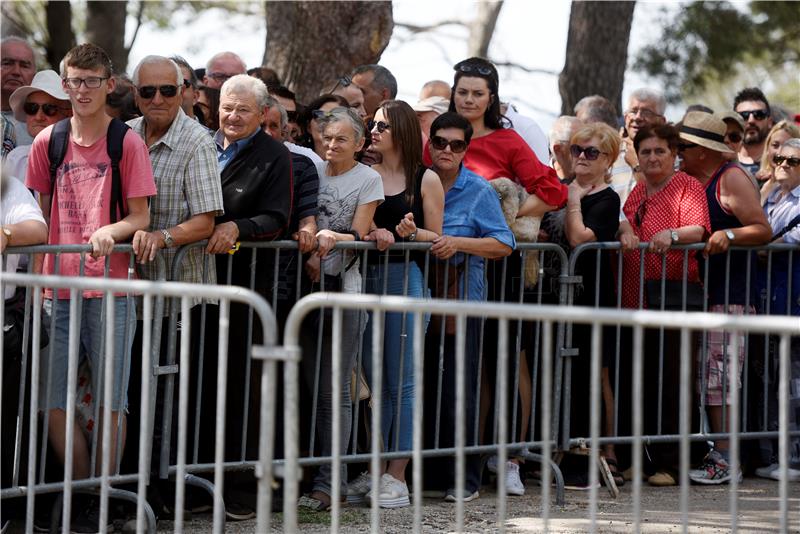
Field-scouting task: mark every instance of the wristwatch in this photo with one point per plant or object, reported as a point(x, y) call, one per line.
point(168, 241)
point(730, 235)
point(673, 234)
point(7, 232)
point(412, 236)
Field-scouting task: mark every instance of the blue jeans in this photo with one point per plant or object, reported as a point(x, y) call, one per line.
point(91, 345)
point(398, 353)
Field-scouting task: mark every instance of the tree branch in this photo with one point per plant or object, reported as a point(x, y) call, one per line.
point(139, 17)
point(416, 28)
point(524, 68)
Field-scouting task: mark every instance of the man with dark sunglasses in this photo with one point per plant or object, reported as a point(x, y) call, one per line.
point(753, 107)
point(734, 133)
point(37, 105)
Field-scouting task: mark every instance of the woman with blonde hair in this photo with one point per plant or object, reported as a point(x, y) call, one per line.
point(779, 134)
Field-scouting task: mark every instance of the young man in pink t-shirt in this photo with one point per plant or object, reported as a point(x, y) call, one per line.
point(80, 214)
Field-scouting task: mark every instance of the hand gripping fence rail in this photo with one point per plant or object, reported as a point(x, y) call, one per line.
point(104, 483)
point(638, 320)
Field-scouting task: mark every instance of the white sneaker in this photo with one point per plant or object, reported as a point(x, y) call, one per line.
point(513, 482)
point(392, 493)
point(766, 471)
point(451, 495)
point(491, 464)
point(793, 476)
point(357, 489)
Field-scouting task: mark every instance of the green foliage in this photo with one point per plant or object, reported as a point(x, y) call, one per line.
point(706, 42)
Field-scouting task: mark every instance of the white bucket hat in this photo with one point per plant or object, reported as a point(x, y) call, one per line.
point(47, 81)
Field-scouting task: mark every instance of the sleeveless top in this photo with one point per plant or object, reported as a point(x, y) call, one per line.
point(736, 281)
point(389, 214)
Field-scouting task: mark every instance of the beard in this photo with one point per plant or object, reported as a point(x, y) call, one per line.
point(754, 136)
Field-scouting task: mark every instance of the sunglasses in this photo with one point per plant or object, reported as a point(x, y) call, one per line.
point(187, 84)
point(380, 126)
point(149, 91)
point(480, 69)
point(32, 108)
point(92, 82)
point(291, 115)
point(590, 152)
point(733, 137)
point(319, 114)
point(344, 81)
point(685, 146)
point(220, 76)
point(640, 213)
point(759, 114)
point(790, 161)
point(457, 146)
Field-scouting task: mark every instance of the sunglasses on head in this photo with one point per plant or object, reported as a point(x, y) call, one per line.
point(149, 91)
point(590, 152)
point(470, 68)
point(734, 137)
point(319, 114)
point(456, 145)
point(790, 161)
point(380, 126)
point(759, 114)
point(32, 108)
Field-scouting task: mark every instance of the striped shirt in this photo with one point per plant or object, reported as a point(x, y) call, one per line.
point(187, 178)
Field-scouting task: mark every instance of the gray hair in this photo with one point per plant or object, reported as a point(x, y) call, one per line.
point(382, 78)
point(225, 54)
point(563, 128)
point(154, 60)
point(343, 114)
point(244, 84)
point(596, 108)
point(182, 63)
point(20, 40)
point(272, 102)
point(653, 96)
point(794, 142)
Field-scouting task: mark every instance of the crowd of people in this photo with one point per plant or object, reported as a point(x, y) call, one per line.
point(174, 155)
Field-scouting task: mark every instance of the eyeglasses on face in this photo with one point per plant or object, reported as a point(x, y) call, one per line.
point(344, 81)
point(790, 161)
point(219, 76)
point(291, 115)
point(379, 125)
point(471, 68)
point(590, 152)
point(733, 137)
point(92, 82)
point(187, 84)
point(758, 114)
point(456, 145)
point(32, 108)
point(644, 112)
point(149, 91)
point(682, 147)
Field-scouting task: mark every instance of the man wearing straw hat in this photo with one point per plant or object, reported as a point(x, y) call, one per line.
point(736, 219)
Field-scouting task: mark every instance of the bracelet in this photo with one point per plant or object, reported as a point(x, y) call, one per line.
point(573, 210)
point(355, 235)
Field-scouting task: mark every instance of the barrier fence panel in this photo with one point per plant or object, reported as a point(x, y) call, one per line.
point(686, 323)
point(99, 473)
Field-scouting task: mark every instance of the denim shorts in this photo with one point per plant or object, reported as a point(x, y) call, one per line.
point(91, 346)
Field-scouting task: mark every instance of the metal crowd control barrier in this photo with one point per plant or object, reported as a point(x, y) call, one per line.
point(756, 388)
point(108, 476)
point(638, 320)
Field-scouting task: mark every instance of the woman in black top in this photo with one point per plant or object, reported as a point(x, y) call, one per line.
point(412, 211)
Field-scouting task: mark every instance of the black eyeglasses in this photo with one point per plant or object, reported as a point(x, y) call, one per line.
point(759, 114)
point(187, 84)
point(220, 76)
point(32, 108)
point(149, 91)
point(590, 152)
point(733, 137)
point(480, 69)
point(456, 145)
point(640, 213)
point(92, 82)
point(685, 146)
point(790, 161)
point(380, 126)
point(291, 115)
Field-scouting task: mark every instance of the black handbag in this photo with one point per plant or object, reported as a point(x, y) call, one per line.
point(673, 295)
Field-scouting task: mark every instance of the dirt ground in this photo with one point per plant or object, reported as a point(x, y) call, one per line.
point(708, 513)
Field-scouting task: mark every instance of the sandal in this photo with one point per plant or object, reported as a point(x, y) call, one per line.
point(619, 480)
point(314, 505)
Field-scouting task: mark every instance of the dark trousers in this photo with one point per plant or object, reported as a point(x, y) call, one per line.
point(440, 473)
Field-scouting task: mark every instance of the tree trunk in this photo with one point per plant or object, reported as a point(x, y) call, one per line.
point(597, 52)
point(105, 27)
point(481, 28)
point(311, 44)
point(58, 17)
